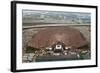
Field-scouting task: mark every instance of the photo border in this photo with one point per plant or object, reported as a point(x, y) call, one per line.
point(13, 34)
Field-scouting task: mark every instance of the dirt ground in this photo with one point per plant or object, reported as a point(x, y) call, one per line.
point(28, 33)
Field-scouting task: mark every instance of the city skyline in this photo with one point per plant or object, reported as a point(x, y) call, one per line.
point(38, 16)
